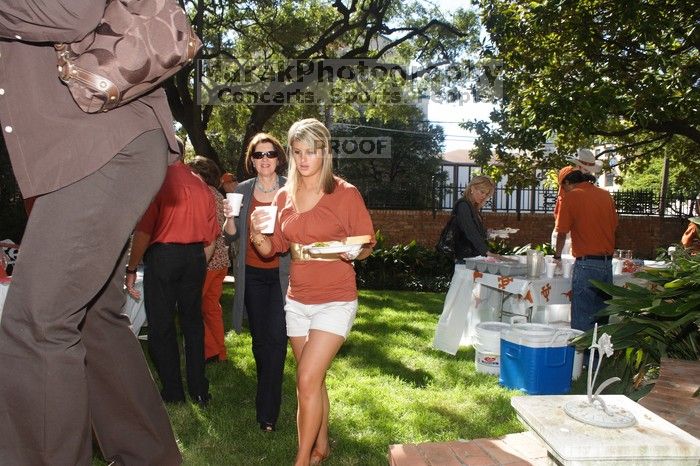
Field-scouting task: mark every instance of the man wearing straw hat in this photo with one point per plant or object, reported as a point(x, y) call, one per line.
point(586, 162)
point(588, 212)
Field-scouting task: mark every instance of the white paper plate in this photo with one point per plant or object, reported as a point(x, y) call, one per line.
point(656, 264)
point(335, 249)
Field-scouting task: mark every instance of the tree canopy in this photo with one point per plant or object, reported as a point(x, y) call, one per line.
point(251, 35)
point(684, 165)
point(594, 72)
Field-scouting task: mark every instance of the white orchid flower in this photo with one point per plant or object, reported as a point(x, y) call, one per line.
point(605, 345)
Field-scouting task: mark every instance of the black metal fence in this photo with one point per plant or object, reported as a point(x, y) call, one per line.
point(527, 200)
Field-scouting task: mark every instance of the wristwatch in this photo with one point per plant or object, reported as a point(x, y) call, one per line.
point(130, 271)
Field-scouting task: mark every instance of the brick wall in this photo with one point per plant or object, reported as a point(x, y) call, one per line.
point(640, 234)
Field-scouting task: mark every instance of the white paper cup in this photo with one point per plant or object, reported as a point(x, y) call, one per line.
point(549, 269)
point(617, 266)
point(269, 226)
point(235, 200)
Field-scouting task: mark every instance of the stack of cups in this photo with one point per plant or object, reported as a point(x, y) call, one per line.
point(535, 260)
point(550, 266)
point(566, 265)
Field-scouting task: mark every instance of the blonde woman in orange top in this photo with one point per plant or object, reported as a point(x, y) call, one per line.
point(315, 206)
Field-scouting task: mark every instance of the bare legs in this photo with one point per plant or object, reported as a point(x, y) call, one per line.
point(314, 355)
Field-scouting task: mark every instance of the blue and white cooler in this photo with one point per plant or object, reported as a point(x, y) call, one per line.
point(536, 359)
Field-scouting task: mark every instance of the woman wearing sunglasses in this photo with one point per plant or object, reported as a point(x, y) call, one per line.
point(261, 282)
point(316, 208)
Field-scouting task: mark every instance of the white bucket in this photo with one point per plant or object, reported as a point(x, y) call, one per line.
point(487, 347)
point(551, 313)
point(578, 356)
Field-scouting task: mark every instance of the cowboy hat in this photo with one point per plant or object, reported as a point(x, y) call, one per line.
point(586, 162)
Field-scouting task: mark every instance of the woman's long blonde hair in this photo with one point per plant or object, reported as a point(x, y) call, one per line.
point(312, 133)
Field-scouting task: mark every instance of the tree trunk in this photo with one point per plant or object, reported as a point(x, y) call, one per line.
point(200, 141)
point(190, 115)
point(664, 188)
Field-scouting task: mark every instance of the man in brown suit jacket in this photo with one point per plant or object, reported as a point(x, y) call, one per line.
point(68, 360)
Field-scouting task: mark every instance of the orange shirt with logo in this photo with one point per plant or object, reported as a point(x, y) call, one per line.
point(588, 212)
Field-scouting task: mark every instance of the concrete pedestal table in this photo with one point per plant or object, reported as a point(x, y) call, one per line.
point(652, 441)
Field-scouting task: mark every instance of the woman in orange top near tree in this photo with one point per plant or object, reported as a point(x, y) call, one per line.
point(691, 237)
point(214, 346)
point(316, 207)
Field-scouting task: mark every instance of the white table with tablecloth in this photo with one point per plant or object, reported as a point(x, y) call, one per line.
point(135, 310)
point(476, 297)
point(4, 286)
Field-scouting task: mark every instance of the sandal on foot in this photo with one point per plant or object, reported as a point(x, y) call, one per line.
point(317, 457)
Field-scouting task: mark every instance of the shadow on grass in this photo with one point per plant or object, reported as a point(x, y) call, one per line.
point(366, 354)
point(387, 385)
point(431, 303)
point(373, 326)
point(392, 320)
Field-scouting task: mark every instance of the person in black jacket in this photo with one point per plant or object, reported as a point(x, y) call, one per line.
point(459, 317)
point(470, 239)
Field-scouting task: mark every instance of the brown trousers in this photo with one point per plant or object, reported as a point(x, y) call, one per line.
point(68, 360)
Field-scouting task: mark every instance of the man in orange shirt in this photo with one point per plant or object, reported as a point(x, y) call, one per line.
point(177, 234)
point(588, 212)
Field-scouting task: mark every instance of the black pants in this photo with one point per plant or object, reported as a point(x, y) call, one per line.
point(265, 307)
point(172, 283)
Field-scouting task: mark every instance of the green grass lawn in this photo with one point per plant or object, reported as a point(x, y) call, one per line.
point(386, 386)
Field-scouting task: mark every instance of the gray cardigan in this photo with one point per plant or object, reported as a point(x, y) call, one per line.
point(241, 222)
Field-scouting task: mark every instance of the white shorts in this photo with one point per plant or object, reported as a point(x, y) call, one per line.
point(335, 317)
